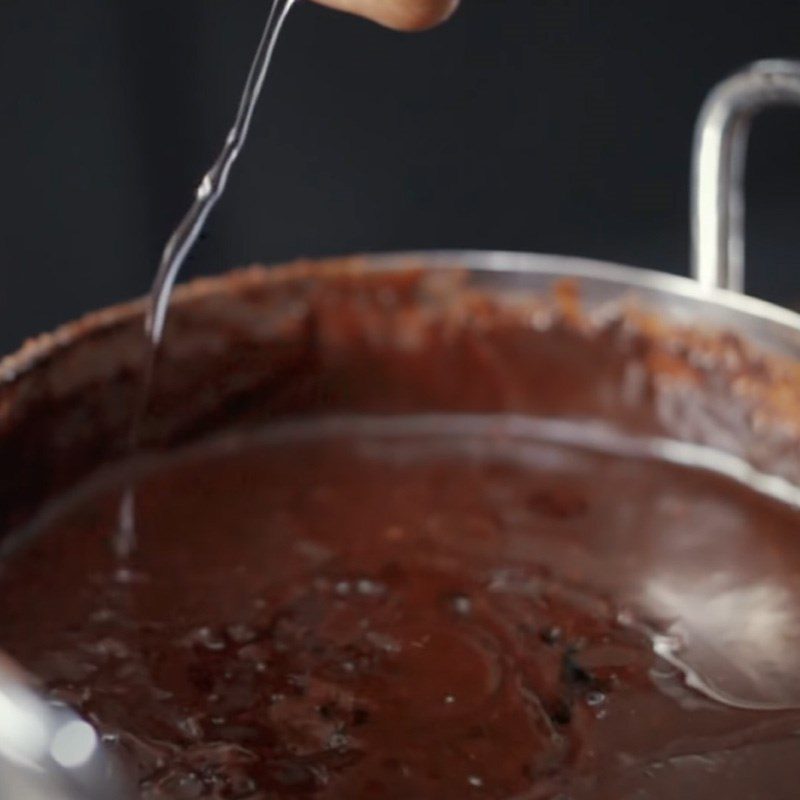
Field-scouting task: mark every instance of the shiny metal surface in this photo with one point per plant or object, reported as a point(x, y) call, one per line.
point(47, 752)
point(682, 300)
point(718, 166)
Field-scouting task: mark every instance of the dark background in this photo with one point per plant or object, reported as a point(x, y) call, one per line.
point(555, 126)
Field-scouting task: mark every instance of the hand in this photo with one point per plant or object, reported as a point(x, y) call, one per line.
point(406, 15)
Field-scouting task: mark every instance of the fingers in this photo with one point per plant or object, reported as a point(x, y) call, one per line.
point(403, 15)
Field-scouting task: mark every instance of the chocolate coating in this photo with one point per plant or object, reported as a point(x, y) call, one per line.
point(405, 605)
point(395, 613)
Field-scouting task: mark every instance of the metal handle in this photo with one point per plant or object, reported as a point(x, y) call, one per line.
point(718, 166)
point(47, 752)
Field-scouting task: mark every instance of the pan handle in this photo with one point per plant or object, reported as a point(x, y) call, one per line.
point(718, 166)
point(47, 752)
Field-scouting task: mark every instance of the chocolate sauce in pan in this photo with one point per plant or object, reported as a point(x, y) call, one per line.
point(423, 607)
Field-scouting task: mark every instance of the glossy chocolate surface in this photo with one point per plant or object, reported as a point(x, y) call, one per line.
point(390, 611)
point(435, 593)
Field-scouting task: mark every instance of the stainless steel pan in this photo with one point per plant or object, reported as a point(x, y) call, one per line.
point(93, 364)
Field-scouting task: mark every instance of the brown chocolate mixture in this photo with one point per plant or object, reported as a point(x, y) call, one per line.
point(422, 608)
point(411, 607)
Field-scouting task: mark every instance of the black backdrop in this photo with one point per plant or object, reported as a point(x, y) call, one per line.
point(548, 125)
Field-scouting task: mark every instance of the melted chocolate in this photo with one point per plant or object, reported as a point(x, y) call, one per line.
point(412, 606)
point(406, 608)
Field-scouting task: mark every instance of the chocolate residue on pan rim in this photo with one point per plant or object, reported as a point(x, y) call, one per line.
point(240, 345)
